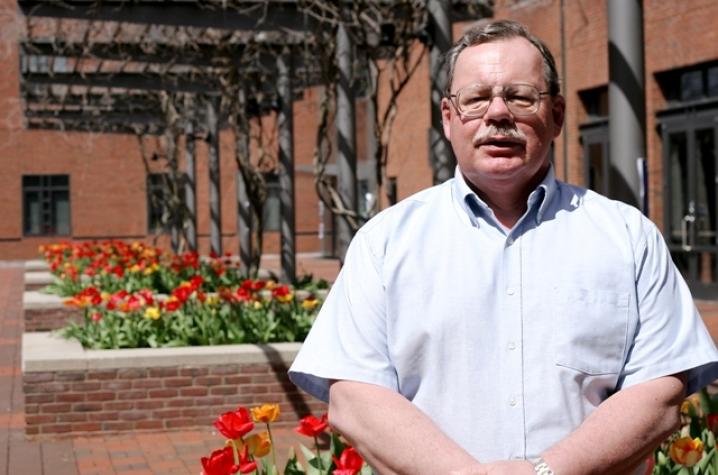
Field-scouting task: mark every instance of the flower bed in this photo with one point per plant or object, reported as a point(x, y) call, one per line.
point(255, 453)
point(133, 296)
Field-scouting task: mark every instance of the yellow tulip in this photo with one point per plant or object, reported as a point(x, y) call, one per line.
point(686, 451)
point(265, 413)
point(310, 304)
point(152, 313)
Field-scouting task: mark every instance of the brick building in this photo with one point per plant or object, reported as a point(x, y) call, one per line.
point(96, 185)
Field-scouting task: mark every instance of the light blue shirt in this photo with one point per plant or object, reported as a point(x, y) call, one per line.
point(508, 340)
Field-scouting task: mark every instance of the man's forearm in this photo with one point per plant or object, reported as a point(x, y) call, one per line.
point(392, 434)
point(622, 431)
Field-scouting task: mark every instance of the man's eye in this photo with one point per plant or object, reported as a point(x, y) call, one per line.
point(519, 99)
point(475, 99)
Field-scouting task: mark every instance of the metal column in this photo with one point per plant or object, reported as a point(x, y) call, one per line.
point(441, 157)
point(626, 100)
point(346, 138)
point(286, 167)
point(214, 175)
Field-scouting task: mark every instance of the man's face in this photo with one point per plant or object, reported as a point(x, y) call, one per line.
point(486, 155)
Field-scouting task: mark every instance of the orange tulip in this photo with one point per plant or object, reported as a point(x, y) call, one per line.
point(265, 413)
point(259, 444)
point(686, 451)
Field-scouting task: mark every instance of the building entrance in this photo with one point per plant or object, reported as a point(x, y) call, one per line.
point(689, 149)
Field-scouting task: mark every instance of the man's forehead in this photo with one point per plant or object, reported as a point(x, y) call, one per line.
point(500, 56)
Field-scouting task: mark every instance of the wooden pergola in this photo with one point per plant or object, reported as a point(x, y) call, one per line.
point(108, 66)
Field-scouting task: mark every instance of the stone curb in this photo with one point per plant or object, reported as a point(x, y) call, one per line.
point(45, 352)
point(37, 300)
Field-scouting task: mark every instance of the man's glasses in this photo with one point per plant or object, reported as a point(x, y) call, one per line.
point(473, 101)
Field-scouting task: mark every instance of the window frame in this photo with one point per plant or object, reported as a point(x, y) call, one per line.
point(49, 220)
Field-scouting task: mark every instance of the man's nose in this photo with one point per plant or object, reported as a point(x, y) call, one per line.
point(498, 111)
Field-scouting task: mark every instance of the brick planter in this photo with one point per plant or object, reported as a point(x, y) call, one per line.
point(69, 390)
point(46, 312)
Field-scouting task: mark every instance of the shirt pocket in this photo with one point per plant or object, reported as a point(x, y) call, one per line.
point(591, 329)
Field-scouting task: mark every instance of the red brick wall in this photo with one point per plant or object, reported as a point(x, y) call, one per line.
point(47, 319)
point(135, 399)
point(107, 176)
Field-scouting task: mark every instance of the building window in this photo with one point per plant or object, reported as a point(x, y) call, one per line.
point(272, 206)
point(690, 84)
point(46, 205)
point(594, 139)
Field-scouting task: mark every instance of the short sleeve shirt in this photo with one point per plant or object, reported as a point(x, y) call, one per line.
point(507, 339)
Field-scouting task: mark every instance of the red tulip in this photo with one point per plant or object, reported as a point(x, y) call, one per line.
point(311, 426)
point(348, 463)
point(234, 425)
point(221, 462)
point(246, 465)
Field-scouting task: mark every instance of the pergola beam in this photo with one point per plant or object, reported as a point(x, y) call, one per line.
point(256, 16)
point(92, 127)
point(144, 81)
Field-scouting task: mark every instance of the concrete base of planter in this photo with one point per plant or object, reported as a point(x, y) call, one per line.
point(69, 390)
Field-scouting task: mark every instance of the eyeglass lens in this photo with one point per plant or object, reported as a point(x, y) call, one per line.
point(521, 99)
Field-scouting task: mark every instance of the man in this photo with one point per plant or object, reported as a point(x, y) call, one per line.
point(504, 322)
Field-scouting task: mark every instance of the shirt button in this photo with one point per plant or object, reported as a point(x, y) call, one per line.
point(510, 291)
point(512, 402)
point(512, 345)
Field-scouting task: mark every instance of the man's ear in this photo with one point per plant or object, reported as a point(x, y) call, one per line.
point(558, 113)
point(446, 117)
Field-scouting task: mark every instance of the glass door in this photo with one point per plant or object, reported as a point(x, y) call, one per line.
point(689, 147)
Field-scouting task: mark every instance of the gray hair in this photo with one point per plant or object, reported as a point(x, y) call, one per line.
point(488, 32)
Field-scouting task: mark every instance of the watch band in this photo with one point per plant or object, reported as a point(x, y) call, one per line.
point(541, 467)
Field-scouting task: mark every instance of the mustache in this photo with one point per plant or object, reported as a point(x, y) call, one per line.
point(492, 131)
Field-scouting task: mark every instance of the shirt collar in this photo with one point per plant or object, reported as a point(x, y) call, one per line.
point(473, 206)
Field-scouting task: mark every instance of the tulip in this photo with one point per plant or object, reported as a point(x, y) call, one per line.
point(221, 462)
point(234, 425)
point(259, 444)
point(311, 426)
point(265, 413)
point(712, 420)
point(348, 463)
point(246, 464)
point(686, 451)
point(282, 294)
point(310, 303)
point(152, 313)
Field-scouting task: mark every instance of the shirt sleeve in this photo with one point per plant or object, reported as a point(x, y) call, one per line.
point(670, 336)
point(348, 340)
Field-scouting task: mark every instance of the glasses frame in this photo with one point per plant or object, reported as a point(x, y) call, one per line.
point(502, 95)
